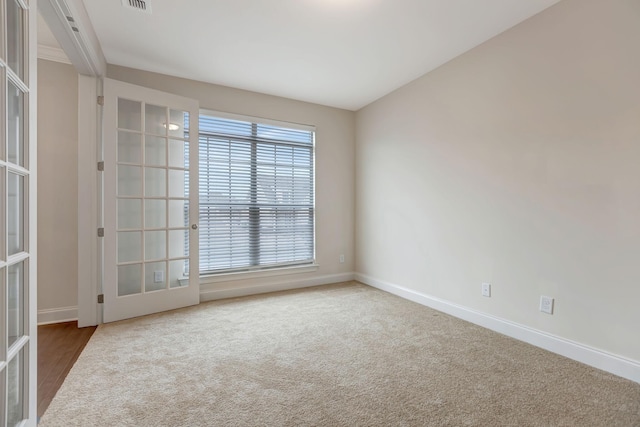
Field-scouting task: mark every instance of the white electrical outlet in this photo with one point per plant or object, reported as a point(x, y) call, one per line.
point(158, 276)
point(341, 259)
point(486, 290)
point(546, 304)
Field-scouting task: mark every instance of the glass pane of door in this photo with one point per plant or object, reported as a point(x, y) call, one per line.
point(15, 299)
point(15, 37)
point(15, 389)
point(15, 213)
point(129, 279)
point(15, 124)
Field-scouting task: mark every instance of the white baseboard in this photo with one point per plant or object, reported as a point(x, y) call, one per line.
point(57, 315)
point(209, 292)
point(617, 365)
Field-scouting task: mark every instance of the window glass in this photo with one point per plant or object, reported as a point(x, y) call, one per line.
point(256, 195)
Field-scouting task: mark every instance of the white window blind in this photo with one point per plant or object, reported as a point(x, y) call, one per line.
point(256, 195)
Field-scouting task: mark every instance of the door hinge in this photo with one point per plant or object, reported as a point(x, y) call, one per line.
point(100, 232)
point(100, 100)
point(101, 299)
point(101, 166)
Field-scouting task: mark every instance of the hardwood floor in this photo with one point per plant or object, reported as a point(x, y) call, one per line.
point(59, 346)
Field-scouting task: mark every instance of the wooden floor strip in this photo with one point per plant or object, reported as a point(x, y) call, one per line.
point(59, 346)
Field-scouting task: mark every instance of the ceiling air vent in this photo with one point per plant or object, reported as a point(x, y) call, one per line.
point(141, 5)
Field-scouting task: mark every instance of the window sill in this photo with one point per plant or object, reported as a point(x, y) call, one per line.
point(244, 275)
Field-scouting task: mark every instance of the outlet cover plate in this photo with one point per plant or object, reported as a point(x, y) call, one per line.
point(546, 304)
point(158, 276)
point(486, 290)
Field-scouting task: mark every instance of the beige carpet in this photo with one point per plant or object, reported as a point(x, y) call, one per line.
point(340, 355)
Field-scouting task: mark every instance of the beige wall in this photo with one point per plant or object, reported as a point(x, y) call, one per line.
point(57, 185)
point(335, 149)
point(517, 164)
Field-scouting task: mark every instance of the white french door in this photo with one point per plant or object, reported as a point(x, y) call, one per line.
point(17, 213)
point(150, 202)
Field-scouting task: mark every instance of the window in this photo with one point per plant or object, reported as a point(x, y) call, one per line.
point(256, 195)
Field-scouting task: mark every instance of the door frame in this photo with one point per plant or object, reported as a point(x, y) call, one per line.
point(89, 200)
point(32, 294)
point(83, 50)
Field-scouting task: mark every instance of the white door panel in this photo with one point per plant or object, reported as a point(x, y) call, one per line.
point(151, 207)
point(18, 220)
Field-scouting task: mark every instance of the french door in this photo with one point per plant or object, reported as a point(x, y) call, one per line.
point(150, 202)
point(17, 213)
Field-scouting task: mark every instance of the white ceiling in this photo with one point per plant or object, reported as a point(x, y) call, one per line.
point(341, 53)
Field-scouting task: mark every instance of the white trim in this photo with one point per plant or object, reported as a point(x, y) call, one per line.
point(210, 293)
point(245, 275)
point(617, 365)
point(57, 315)
point(29, 371)
point(88, 193)
point(54, 54)
point(81, 46)
point(260, 120)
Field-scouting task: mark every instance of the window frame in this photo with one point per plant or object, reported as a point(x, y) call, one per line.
point(256, 271)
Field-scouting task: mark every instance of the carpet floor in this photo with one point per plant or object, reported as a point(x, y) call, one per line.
point(338, 355)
